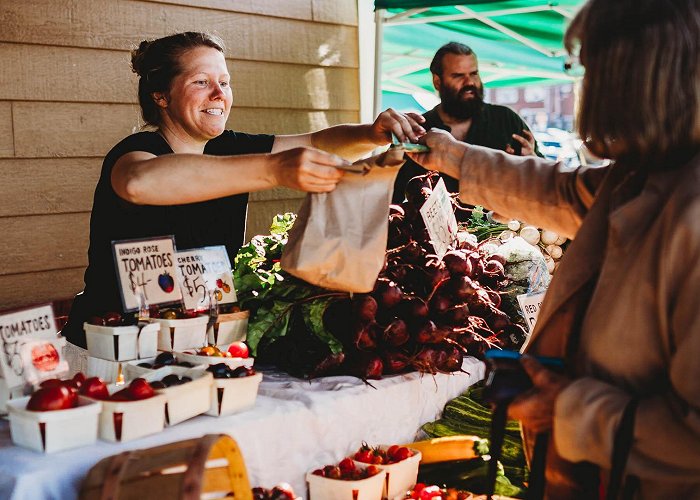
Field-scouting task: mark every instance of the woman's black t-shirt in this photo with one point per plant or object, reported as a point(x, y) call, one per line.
point(215, 222)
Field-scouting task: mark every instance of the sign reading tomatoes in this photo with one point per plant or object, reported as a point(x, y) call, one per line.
point(17, 328)
point(204, 275)
point(146, 272)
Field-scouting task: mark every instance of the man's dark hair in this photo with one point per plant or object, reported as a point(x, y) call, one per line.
point(449, 48)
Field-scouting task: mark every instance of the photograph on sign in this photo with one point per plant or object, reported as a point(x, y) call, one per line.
point(439, 217)
point(146, 271)
point(35, 323)
point(205, 275)
point(43, 359)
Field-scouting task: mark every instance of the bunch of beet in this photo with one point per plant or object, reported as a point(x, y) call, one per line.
point(425, 313)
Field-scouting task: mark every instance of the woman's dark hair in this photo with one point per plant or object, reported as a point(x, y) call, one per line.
point(640, 98)
point(449, 48)
point(157, 62)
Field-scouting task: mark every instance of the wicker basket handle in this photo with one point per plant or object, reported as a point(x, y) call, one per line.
point(115, 472)
point(194, 475)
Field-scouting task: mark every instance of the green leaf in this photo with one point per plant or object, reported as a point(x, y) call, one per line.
point(313, 318)
point(269, 321)
point(282, 223)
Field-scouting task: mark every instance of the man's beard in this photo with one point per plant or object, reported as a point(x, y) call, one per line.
point(460, 109)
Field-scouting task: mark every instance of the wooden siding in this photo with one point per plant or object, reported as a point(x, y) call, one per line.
point(67, 95)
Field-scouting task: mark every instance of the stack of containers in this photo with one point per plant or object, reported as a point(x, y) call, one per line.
point(109, 346)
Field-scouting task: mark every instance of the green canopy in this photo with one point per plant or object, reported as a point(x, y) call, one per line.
point(517, 42)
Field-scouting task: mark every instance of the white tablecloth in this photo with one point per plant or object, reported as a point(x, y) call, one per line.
point(295, 426)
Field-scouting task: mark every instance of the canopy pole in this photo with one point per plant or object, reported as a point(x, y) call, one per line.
point(378, 36)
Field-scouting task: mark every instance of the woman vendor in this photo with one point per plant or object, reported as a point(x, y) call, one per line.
point(190, 177)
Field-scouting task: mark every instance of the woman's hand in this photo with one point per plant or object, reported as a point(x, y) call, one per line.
point(308, 169)
point(535, 408)
point(445, 153)
point(405, 126)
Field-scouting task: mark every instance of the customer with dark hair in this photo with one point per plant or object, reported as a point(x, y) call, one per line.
point(463, 112)
point(622, 308)
point(190, 177)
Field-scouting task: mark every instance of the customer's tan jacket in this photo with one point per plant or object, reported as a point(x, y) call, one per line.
point(640, 335)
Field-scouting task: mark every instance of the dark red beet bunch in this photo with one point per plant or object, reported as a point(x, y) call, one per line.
point(426, 312)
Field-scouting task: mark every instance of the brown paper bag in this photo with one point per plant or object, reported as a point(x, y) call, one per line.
point(338, 240)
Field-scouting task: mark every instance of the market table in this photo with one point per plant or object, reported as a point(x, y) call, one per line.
point(295, 426)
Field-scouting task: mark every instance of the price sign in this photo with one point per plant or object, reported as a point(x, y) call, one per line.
point(204, 275)
point(439, 219)
point(35, 323)
point(530, 305)
point(146, 269)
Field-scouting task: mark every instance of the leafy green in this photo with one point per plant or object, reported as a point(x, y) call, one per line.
point(273, 296)
point(313, 317)
point(271, 321)
point(482, 226)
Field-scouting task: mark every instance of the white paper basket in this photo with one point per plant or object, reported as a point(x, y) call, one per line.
point(186, 400)
point(121, 343)
point(179, 334)
point(233, 395)
point(52, 431)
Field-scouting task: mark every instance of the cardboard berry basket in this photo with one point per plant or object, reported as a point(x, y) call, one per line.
point(179, 334)
point(400, 476)
point(186, 400)
point(233, 395)
point(195, 359)
point(230, 327)
point(52, 431)
point(325, 488)
point(121, 343)
point(132, 370)
point(126, 420)
point(105, 369)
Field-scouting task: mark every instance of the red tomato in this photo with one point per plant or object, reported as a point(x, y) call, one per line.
point(364, 456)
point(140, 389)
point(347, 466)
point(402, 454)
point(57, 397)
point(238, 350)
point(94, 388)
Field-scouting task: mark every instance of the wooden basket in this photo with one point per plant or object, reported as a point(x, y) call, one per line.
point(211, 465)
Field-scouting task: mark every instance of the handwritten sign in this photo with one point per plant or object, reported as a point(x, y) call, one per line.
point(146, 271)
point(530, 304)
point(15, 327)
point(439, 219)
point(204, 275)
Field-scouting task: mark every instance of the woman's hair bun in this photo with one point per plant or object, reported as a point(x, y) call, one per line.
point(138, 57)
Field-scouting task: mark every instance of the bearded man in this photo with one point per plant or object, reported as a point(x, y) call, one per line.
point(463, 112)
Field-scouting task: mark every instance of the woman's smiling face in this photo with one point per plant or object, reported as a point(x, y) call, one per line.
point(200, 97)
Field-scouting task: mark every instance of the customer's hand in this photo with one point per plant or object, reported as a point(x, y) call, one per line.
point(308, 169)
point(405, 126)
point(535, 408)
point(445, 153)
point(527, 144)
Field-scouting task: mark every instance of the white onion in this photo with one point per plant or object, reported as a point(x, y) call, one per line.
point(514, 225)
point(530, 234)
point(550, 264)
point(560, 240)
point(549, 237)
point(506, 235)
point(554, 251)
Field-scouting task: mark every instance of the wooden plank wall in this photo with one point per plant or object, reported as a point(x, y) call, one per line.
point(67, 95)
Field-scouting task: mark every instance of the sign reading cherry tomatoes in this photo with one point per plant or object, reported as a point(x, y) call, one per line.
point(205, 276)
